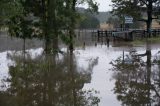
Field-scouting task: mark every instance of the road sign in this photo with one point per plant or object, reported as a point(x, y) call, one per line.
point(128, 20)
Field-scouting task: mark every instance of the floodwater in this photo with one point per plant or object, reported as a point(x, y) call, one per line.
point(96, 74)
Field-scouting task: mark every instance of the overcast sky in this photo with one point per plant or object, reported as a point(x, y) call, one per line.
point(103, 5)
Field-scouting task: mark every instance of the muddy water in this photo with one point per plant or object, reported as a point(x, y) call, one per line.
point(95, 74)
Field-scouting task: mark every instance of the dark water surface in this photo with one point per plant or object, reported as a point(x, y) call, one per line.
point(94, 75)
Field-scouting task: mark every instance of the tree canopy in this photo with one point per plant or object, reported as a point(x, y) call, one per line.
point(42, 18)
point(88, 21)
point(137, 8)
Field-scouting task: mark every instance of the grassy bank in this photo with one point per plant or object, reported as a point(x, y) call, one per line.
point(144, 40)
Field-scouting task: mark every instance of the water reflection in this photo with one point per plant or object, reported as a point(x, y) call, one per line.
point(51, 79)
point(137, 81)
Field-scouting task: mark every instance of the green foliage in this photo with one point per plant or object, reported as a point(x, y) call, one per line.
point(103, 16)
point(8, 9)
point(115, 21)
point(126, 7)
point(93, 6)
point(22, 28)
point(44, 19)
point(143, 41)
point(133, 80)
point(47, 80)
point(88, 21)
point(135, 8)
point(65, 38)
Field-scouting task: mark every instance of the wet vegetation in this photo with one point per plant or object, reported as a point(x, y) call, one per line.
point(45, 80)
point(136, 9)
point(51, 79)
point(143, 41)
point(54, 77)
point(137, 81)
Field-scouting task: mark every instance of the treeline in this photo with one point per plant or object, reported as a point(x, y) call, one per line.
point(93, 20)
point(45, 19)
point(87, 20)
point(137, 9)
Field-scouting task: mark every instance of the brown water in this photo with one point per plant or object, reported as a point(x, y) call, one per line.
point(94, 75)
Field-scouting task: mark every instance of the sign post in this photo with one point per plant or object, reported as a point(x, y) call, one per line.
point(128, 20)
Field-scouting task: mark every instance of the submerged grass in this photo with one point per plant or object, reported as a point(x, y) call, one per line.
point(144, 40)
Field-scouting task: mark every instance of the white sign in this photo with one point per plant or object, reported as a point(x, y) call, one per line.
point(128, 20)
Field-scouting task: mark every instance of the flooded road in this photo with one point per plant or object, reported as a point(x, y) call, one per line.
point(94, 75)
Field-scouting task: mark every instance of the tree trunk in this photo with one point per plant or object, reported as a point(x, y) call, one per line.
point(149, 20)
point(73, 83)
point(71, 32)
point(52, 27)
point(149, 23)
point(148, 80)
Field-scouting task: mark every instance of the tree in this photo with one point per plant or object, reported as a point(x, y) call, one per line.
point(44, 19)
point(134, 79)
point(8, 9)
point(88, 21)
point(71, 8)
point(136, 8)
point(39, 18)
point(48, 80)
point(113, 21)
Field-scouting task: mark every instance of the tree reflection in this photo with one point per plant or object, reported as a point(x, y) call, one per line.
point(137, 82)
point(52, 79)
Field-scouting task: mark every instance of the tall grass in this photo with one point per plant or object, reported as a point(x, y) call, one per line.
point(143, 41)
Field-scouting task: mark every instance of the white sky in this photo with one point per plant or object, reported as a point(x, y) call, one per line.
point(103, 5)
